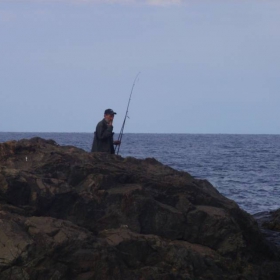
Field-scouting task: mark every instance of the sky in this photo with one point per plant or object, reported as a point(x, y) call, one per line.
point(207, 66)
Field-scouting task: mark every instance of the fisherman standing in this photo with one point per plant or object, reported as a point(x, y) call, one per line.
point(103, 136)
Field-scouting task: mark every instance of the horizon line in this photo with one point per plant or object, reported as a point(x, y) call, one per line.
point(197, 133)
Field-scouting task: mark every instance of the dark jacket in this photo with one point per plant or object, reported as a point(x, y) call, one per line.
point(103, 138)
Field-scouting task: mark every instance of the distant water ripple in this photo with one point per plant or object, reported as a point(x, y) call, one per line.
point(244, 168)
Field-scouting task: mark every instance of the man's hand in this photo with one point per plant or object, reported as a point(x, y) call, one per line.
point(117, 142)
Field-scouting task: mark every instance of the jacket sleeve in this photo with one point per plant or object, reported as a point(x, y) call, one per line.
point(103, 132)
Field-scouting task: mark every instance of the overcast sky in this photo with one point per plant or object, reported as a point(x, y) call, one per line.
point(206, 66)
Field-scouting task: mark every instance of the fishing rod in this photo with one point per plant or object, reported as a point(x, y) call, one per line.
point(117, 148)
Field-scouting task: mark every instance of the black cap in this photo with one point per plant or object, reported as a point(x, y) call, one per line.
point(109, 112)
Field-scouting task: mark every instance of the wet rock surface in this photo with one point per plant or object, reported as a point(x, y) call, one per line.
point(69, 214)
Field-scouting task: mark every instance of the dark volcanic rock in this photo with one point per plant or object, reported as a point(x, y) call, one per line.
point(269, 223)
point(68, 214)
point(273, 223)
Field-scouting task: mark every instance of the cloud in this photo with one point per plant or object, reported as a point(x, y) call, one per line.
point(145, 2)
point(163, 2)
point(6, 16)
point(150, 2)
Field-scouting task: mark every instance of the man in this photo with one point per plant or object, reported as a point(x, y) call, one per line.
point(103, 135)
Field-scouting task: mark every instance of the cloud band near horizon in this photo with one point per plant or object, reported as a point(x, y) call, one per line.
point(146, 2)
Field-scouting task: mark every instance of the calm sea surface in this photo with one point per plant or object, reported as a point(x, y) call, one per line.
point(245, 168)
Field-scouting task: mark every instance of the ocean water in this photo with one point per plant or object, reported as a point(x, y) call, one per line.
point(245, 168)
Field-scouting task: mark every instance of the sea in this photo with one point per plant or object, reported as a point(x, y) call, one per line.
point(244, 168)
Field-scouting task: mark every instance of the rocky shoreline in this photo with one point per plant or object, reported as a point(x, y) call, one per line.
point(69, 214)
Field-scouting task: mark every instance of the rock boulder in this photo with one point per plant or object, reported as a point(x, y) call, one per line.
point(69, 214)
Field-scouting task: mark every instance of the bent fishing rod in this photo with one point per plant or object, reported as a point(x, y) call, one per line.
point(117, 148)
